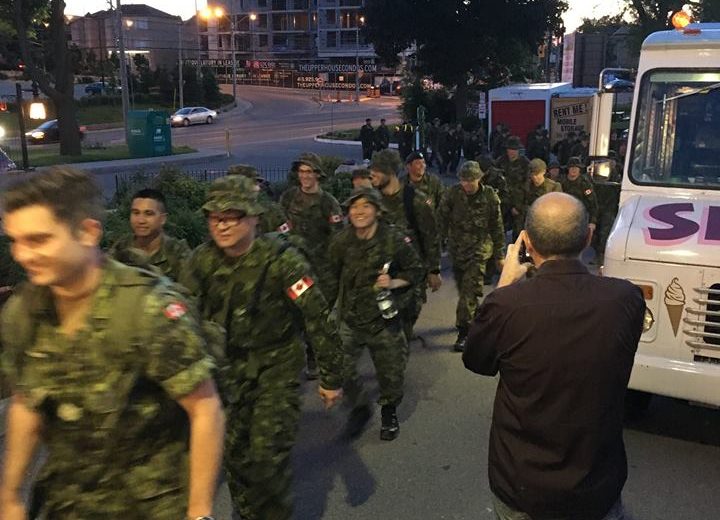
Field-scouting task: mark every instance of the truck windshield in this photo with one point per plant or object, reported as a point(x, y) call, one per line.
point(677, 131)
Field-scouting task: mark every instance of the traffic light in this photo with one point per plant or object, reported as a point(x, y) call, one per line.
point(35, 90)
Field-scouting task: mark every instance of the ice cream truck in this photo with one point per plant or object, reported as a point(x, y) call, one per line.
point(666, 237)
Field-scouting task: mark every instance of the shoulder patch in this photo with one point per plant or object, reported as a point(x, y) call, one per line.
point(588, 192)
point(429, 202)
point(407, 239)
point(298, 288)
point(284, 228)
point(335, 219)
point(175, 311)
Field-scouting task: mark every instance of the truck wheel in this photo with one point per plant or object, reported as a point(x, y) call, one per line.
point(636, 404)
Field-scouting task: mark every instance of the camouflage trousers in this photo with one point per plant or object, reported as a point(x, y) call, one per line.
point(389, 353)
point(411, 312)
point(262, 423)
point(469, 278)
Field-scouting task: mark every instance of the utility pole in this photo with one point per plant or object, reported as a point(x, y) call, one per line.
point(123, 67)
point(21, 124)
point(234, 61)
point(180, 64)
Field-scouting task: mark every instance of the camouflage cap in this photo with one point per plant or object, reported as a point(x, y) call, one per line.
point(537, 165)
point(308, 159)
point(575, 162)
point(362, 173)
point(414, 156)
point(470, 171)
point(513, 143)
point(372, 195)
point(243, 169)
point(387, 161)
point(233, 192)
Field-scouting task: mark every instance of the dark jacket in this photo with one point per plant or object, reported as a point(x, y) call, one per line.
point(564, 343)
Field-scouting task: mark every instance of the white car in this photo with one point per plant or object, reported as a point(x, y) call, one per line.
point(190, 115)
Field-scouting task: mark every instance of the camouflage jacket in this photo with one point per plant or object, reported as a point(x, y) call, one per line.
point(430, 185)
point(357, 264)
point(582, 189)
point(532, 193)
point(117, 438)
point(426, 237)
point(472, 224)
point(516, 174)
point(315, 217)
point(274, 219)
point(495, 179)
point(264, 319)
point(168, 259)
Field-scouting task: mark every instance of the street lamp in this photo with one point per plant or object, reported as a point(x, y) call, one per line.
point(180, 65)
point(357, 58)
point(218, 12)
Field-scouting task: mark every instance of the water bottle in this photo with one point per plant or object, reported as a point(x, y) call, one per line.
point(384, 298)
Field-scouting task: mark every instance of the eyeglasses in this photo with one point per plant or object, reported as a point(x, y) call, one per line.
point(227, 220)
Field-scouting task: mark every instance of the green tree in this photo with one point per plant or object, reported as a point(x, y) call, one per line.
point(461, 43)
point(655, 15)
point(48, 60)
point(210, 87)
point(146, 78)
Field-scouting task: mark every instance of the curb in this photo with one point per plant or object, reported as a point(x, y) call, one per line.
point(101, 167)
point(349, 143)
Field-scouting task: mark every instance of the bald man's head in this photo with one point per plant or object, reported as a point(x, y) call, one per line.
point(557, 225)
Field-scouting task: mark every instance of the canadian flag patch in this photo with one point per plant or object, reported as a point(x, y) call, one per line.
point(588, 192)
point(298, 288)
point(335, 219)
point(285, 228)
point(407, 239)
point(175, 311)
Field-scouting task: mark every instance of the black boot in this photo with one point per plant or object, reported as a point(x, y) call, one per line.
point(390, 427)
point(461, 339)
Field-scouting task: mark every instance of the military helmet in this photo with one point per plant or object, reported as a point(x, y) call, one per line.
point(233, 192)
point(387, 161)
point(537, 165)
point(414, 156)
point(575, 162)
point(470, 171)
point(308, 159)
point(372, 195)
point(243, 169)
point(513, 143)
point(362, 173)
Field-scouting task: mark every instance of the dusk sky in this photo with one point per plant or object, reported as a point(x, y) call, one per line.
point(579, 9)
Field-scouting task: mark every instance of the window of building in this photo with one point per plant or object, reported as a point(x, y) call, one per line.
point(280, 41)
point(348, 19)
point(262, 3)
point(279, 5)
point(299, 4)
point(348, 38)
point(263, 41)
point(262, 21)
point(330, 17)
point(331, 39)
point(300, 22)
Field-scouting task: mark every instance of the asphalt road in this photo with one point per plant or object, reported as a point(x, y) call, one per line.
point(437, 467)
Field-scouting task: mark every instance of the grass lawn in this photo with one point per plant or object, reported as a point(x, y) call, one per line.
point(50, 156)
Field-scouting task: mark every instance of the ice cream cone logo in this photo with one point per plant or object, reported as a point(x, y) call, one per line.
point(675, 303)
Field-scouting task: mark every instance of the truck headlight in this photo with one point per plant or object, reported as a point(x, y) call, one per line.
point(648, 320)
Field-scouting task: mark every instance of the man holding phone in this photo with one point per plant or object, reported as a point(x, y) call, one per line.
point(556, 446)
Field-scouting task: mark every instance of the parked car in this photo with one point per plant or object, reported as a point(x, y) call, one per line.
point(6, 163)
point(48, 132)
point(190, 115)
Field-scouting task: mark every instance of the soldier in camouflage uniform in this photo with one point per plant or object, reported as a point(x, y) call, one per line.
point(315, 216)
point(359, 256)
point(422, 180)
point(536, 186)
point(493, 177)
point(469, 217)
point(273, 218)
point(261, 291)
point(411, 212)
point(608, 198)
point(515, 169)
point(581, 187)
point(148, 244)
point(107, 366)
point(361, 178)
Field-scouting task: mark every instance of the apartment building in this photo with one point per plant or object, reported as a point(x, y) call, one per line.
point(146, 30)
point(310, 30)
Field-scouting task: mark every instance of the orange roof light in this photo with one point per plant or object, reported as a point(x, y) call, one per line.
point(681, 19)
